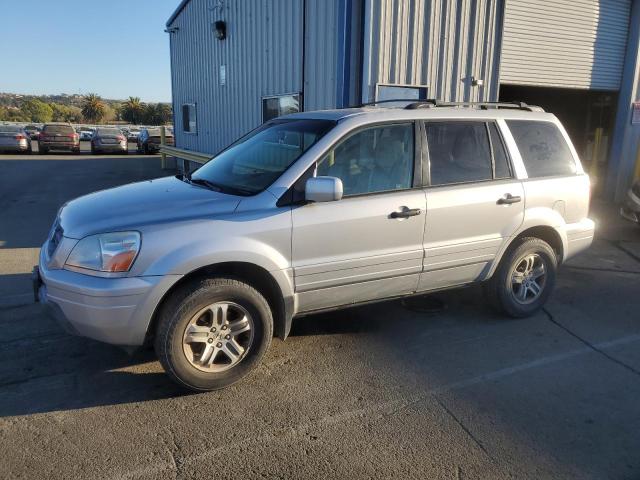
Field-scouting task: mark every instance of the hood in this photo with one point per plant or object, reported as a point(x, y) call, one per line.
point(133, 206)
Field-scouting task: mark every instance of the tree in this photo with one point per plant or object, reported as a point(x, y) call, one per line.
point(65, 113)
point(36, 111)
point(109, 113)
point(93, 108)
point(133, 110)
point(157, 114)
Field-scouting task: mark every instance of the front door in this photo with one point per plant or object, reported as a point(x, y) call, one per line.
point(367, 245)
point(474, 202)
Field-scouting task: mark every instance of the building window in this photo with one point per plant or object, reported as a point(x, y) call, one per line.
point(189, 118)
point(277, 106)
point(400, 92)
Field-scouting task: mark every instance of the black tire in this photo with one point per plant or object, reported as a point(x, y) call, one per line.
point(184, 304)
point(499, 288)
point(146, 149)
point(43, 150)
point(93, 150)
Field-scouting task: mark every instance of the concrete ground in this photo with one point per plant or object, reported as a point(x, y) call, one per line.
point(380, 391)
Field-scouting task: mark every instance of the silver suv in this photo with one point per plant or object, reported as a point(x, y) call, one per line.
point(316, 211)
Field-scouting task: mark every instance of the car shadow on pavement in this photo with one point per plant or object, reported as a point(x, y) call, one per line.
point(43, 369)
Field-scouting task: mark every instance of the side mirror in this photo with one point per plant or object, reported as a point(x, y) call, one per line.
point(323, 189)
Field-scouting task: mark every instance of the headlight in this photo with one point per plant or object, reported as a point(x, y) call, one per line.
point(106, 252)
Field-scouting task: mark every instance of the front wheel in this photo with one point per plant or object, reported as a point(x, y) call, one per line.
point(524, 279)
point(213, 332)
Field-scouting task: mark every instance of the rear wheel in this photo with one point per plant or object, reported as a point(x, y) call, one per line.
point(524, 279)
point(213, 332)
point(43, 150)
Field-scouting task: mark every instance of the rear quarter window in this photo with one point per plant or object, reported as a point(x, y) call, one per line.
point(544, 150)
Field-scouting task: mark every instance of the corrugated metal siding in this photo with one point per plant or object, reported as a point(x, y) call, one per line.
point(320, 66)
point(262, 54)
point(565, 43)
point(440, 44)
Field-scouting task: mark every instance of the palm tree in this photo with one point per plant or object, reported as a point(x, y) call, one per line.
point(132, 110)
point(92, 108)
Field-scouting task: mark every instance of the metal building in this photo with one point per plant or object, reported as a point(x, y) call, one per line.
point(237, 63)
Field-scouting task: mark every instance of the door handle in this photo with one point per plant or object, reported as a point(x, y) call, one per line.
point(405, 213)
point(508, 199)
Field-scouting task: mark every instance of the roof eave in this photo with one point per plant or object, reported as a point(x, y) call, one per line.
point(177, 11)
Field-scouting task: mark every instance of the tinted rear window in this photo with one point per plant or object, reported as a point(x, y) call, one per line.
point(64, 129)
point(544, 151)
point(9, 129)
point(109, 131)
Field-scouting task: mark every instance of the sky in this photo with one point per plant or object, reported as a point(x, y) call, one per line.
point(115, 48)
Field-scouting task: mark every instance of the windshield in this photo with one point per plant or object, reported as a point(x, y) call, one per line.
point(108, 131)
point(255, 161)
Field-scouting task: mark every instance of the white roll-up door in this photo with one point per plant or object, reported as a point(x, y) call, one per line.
point(565, 43)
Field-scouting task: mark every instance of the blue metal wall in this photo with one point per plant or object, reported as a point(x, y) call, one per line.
point(262, 55)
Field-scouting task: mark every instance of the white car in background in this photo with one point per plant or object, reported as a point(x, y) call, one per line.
point(133, 134)
point(86, 133)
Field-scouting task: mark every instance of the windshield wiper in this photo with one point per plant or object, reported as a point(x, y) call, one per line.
point(205, 183)
point(219, 188)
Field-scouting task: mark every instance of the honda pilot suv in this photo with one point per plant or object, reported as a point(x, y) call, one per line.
point(317, 211)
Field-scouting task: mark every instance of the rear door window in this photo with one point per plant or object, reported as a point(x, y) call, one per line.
point(544, 150)
point(459, 152)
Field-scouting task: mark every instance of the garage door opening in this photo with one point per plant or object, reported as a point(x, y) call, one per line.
point(587, 115)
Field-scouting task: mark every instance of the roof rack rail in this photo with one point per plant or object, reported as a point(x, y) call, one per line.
point(481, 105)
point(396, 100)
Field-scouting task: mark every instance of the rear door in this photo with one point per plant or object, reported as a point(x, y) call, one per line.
point(367, 245)
point(474, 202)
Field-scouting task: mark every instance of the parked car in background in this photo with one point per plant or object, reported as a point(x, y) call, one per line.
point(14, 139)
point(86, 133)
point(631, 206)
point(33, 131)
point(149, 140)
point(318, 211)
point(133, 134)
point(108, 139)
point(58, 136)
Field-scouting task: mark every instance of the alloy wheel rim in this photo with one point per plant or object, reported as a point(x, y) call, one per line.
point(528, 279)
point(218, 337)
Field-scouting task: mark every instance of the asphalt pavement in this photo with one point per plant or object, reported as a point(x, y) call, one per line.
point(381, 391)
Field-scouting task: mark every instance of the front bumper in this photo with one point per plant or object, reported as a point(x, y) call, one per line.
point(111, 310)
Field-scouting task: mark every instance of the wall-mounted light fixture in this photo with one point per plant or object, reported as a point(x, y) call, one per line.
point(220, 29)
point(172, 30)
point(477, 82)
